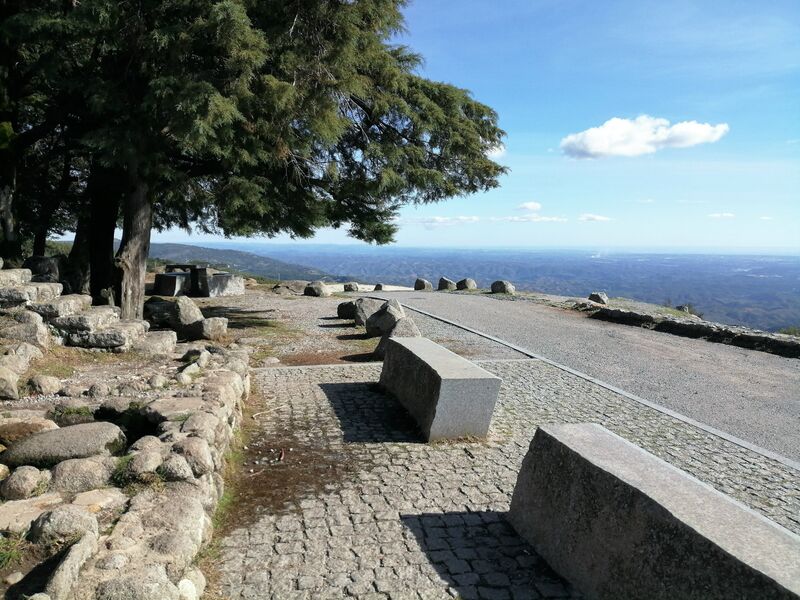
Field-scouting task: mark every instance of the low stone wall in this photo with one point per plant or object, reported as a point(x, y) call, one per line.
point(141, 517)
point(448, 396)
point(620, 523)
point(744, 337)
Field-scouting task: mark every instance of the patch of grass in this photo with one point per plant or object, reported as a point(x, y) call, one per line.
point(795, 331)
point(121, 476)
point(12, 550)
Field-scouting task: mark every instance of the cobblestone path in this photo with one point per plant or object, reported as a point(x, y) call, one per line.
point(359, 507)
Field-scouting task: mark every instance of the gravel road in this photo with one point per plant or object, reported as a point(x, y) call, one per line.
point(752, 395)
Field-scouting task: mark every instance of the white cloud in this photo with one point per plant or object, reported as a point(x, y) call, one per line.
point(497, 152)
point(434, 221)
point(646, 201)
point(531, 206)
point(722, 215)
point(591, 217)
point(642, 135)
point(532, 218)
point(765, 218)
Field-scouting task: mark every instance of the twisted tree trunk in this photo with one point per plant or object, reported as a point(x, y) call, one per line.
point(131, 260)
point(104, 191)
point(10, 247)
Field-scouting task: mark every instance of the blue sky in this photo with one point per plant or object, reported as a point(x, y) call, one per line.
point(630, 123)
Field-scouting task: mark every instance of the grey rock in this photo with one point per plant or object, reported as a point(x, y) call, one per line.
point(351, 287)
point(158, 381)
point(8, 384)
point(30, 332)
point(68, 571)
point(147, 443)
point(191, 369)
point(24, 349)
point(183, 379)
point(384, 320)
point(14, 277)
point(467, 284)
point(99, 390)
point(213, 328)
point(13, 578)
point(503, 287)
point(44, 385)
point(404, 328)
point(62, 306)
point(197, 453)
point(156, 343)
point(72, 390)
point(423, 285)
point(14, 429)
point(76, 441)
point(82, 474)
point(618, 522)
point(62, 524)
point(317, 289)
point(365, 308)
point(87, 321)
point(446, 284)
point(175, 468)
point(172, 284)
point(448, 396)
point(24, 482)
point(144, 465)
point(17, 364)
point(290, 288)
point(225, 284)
point(187, 312)
point(346, 310)
point(599, 297)
point(379, 287)
point(145, 583)
point(16, 515)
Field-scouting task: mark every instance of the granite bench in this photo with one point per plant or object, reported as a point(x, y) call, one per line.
point(617, 522)
point(448, 396)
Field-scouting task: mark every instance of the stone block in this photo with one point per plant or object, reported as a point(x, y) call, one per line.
point(172, 284)
point(447, 395)
point(62, 306)
point(618, 522)
point(157, 343)
point(423, 285)
point(11, 277)
point(225, 284)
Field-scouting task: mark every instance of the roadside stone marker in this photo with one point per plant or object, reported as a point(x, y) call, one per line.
point(448, 396)
point(617, 522)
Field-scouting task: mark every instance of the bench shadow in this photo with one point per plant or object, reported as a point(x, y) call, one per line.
point(353, 336)
point(480, 555)
point(336, 325)
point(367, 415)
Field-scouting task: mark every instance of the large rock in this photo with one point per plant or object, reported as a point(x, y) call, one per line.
point(351, 287)
point(213, 328)
point(30, 332)
point(618, 522)
point(145, 583)
point(404, 328)
point(62, 524)
point(16, 515)
point(14, 277)
point(82, 474)
point(68, 572)
point(49, 266)
point(384, 320)
point(88, 320)
point(8, 384)
point(346, 310)
point(225, 284)
point(29, 351)
point(156, 343)
point(599, 297)
point(24, 482)
point(365, 308)
point(446, 284)
point(62, 306)
point(503, 287)
point(290, 288)
point(75, 441)
point(467, 284)
point(423, 285)
point(318, 289)
point(14, 429)
point(448, 396)
point(44, 385)
point(197, 454)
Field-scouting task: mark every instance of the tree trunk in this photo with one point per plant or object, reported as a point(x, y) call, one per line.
point(131, 259)
point(104, 193)
point(10, 247)
point(78, 260)
point(49, 207)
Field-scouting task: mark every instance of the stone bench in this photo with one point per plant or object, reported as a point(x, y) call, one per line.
point(448, 396)
point(618, 522)
point(174, 283)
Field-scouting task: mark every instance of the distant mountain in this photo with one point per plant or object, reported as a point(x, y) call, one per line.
point(236, 260)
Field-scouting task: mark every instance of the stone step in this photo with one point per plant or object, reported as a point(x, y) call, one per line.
point(117, 337)
point(9, 277)
point(87, 321)
point(63, 306)
point(157, 343)
point(24, 293)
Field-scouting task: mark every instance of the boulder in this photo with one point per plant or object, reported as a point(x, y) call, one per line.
point(384, 320)
point(18, 364)
point(378, 287)
point(145, 583)
point(175, 468)
point(75, 441)
point(30, 332)
point(467, 284)
point(599, 297)
point(197, 454)
point(446, 284)
point(365, 308)
point(143, 465)
point(83, 474)
point(317, 289)
point(24, 349)
point(225, 284)
point(49, 266)
point(214, 328)
point(8, 384)
point(405, 327)
point(290, 288)
point(44, 385)
point(16, 515)
point(156, 343)
point(503, 287)
point(181, 315)
point(24, 482)
point(346, 310)
point(423, 285)
point(14, 429)
point(351, 287)
point(63, 524)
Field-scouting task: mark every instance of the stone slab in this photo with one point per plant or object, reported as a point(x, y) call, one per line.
point(620, 523)
point(16, 516)
point(10, 277)
point(448, 396)
point(225, 284)
point(172, 284)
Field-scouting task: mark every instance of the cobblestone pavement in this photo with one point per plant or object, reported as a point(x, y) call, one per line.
point(359, 507)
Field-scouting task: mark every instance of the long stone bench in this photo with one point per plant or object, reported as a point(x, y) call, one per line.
point(620, 523)
point(448, 396)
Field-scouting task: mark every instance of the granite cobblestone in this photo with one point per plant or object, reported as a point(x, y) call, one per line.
point(397, 518)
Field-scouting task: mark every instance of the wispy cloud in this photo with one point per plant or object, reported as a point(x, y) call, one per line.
point(497, 152)
point(531, 206)
point(765, 218)
point(595, 218)
point(642, 135)
point(533, 218)
point(646, 201)
point(722, 215)
point(438, 221)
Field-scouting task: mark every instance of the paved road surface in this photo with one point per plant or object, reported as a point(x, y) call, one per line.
point(752, 395)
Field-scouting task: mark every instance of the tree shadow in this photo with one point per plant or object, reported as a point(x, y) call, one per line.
point(336, 325)
point(367, 415)
point(354, 336)
point(481, 556)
